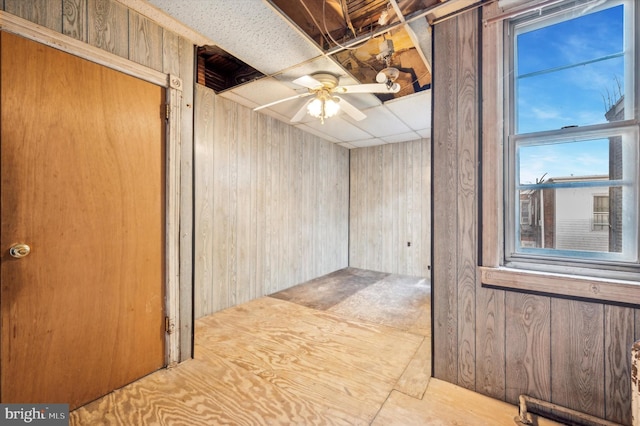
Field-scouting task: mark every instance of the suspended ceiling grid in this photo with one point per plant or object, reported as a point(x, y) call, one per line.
point(280, 40)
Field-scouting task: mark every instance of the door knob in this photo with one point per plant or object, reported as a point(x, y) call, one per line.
point(19, 251)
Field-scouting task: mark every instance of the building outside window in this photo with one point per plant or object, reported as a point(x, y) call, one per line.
point(600, 213)
point(571, 155)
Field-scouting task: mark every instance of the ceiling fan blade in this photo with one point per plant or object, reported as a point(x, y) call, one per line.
point(308, 82)
point(301, 95)
point(352, 111)
point(301, 112)
point(368, 88)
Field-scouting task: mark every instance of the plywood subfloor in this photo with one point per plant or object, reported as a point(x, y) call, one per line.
point(350, 359)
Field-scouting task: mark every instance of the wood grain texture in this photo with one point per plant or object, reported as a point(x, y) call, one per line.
point(490, 342)
point(491, 337)
point(241, 180)
point(445, 226)
point(203, 168)
point(186, 73)
point(325, 292)
point(387, 208)
point(445, 404)
point(109, 26)
point(74, 19)
point(145, 41)
point(425, 211)
point(579, 286)
point(577, 351)
point(618, 340)
point(317, 368)
point(172, 54)
point(416, 376)
point(357, 220)
point(261, 342)
point(492, 131)
point(253, 368)
point(47, 13)
point(173, 185)
point(43, 35)
point(402, 219)
point(389, 247)
point(209, 390)
point(528, 342)
point(400, 301)
point(100, 203)
point(467, 121)
point(276, 205)
point(509, 342)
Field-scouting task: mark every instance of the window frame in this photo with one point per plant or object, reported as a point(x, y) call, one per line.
point(552, 260)
point(551, 279)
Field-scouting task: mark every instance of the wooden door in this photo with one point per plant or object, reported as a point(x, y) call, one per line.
point(82, 183)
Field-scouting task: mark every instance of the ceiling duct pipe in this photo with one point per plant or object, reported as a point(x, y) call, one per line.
point(556, 412)
point(635, 384)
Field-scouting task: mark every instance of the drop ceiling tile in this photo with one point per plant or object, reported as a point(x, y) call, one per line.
point(367, 143)
point(347, 145)
point(319, 64)
point(254, 32)
point(338, 128)
point(248, 29)
point(382, 122)
point(403, 137)
point(264, 91)
point(317, 132)
point(362, 101)
point(414, 110)
point(424, 133)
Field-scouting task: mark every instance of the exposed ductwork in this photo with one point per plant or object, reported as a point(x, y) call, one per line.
point(635, 384)
point(555, 412)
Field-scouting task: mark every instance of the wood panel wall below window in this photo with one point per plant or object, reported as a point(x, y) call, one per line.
point(505, 343)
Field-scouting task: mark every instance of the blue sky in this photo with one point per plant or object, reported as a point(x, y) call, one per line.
point(563, 73)
point(566, 159)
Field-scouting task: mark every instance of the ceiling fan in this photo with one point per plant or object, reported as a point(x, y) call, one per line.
point(326, 102)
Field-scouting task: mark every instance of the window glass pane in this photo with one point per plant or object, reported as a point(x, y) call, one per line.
point(563, 220)
point(568, 161)
point(573, 154)
point(578, 197)
point(571, 73)
point(578, 40)
point(570, 97)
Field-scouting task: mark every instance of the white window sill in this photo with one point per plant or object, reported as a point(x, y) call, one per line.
point(600, 289)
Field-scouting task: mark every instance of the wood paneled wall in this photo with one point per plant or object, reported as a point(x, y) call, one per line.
point(390, 208)
point(272, 204)
point(505, 343)
point(110, 26)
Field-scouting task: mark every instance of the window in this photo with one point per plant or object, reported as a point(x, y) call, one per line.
point(571, 157)
point(600, 213)
point(525, 211)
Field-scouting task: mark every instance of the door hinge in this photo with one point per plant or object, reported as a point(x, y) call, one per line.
point(167, 111)
point(169, 325)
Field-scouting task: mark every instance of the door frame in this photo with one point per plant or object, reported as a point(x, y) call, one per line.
point(173, 104)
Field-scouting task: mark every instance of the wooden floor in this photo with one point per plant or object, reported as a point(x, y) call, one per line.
point(350, 348)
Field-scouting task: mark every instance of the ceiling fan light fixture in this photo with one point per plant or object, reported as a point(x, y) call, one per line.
point(323, 106)
point(388, 73)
